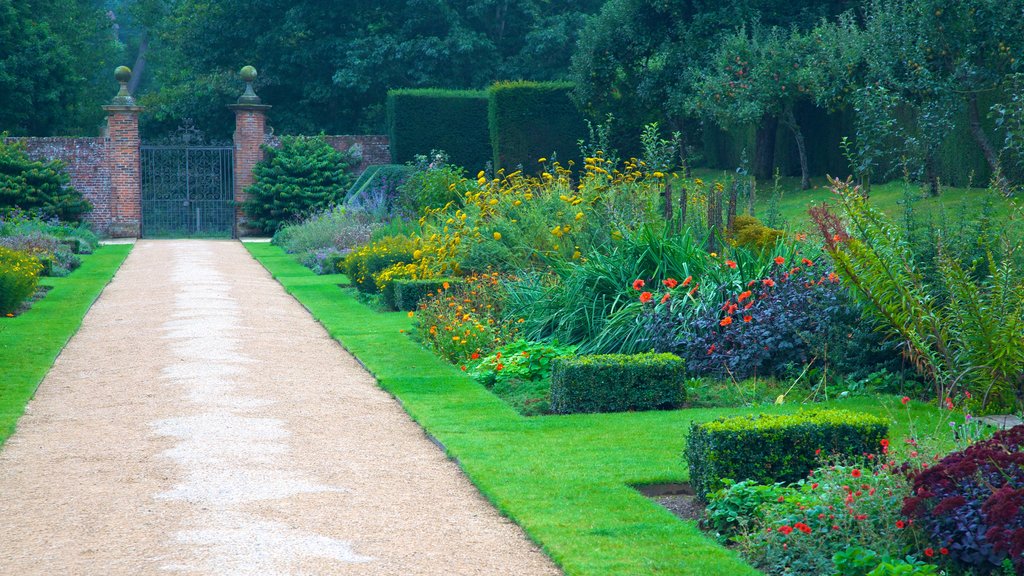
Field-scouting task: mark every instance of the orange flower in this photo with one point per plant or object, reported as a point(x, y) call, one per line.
point(780, 260)
point(807, 262)
point(768, 282)
point(499, 366)
point(748, 318)
point(687, 281)
point(833, 277)
point(645, 297)
point(665, 297)
point(474, 355)
point(671, 283)
point(730, 264)
point(725, 321)
point(743, 296)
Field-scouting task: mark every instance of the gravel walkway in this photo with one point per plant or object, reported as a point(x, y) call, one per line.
point(201, 422)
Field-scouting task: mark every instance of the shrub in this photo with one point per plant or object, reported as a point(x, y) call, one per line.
point(377, 191)
point(303, 175)
point(42, 186)
point(19, 275)
point(409, 293)
point(324, 237)
point(970, 503)
point(749, 232)
point(56, 256)
point(435, 183)
point(364, 264)
point(79, 237)
point(519, 360)
point(421, 120)
point(530, 120)
point(780, 448)
point(463, 322)
point(616, 383)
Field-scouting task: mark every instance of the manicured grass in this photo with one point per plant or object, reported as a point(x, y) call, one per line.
point(29, 343)
point(564, 479)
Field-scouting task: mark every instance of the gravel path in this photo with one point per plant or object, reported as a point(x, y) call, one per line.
point(201, 422)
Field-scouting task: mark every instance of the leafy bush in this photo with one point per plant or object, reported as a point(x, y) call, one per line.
point(420, 120)
point(463, 322)
point(780, 448)
point(364, 264)
point(303, 175)
point(970, 503)
point(56, 256)
point(519, 360)
point(377, 191)
point(617, 382)
point(36, 185)
point(433, 184)
point(749, 232)
point(326, 236)
point(409, 293)
point(530, 120)
point(79, 237)
point(859, 561)
point(19, 275)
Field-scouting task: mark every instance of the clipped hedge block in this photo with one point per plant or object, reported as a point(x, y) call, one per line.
point(409, 293)
point(421, 120)
point(617, 383)
point(776, 448)
point(530, 120)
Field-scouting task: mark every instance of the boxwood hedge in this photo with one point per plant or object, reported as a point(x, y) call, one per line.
point(617, 383)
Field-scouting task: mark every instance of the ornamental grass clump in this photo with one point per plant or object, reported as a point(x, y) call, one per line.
point(19, 276)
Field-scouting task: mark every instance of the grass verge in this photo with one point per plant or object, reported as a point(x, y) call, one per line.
point(30, 342)
point(564, 479)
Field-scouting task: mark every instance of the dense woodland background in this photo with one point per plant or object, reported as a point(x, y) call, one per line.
point(920, 85)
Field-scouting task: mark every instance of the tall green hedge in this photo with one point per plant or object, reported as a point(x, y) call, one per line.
point(530, 120)
point(421, 120)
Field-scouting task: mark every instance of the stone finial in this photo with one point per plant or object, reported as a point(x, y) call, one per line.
point(123, 75)
point(248, 74)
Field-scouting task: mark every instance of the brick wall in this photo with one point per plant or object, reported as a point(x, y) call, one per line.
point(376, 149)
point(125, 171)
point(86, 162)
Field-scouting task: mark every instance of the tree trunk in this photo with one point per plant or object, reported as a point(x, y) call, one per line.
point(764, 147)
point(790, 121)
point(991, 157)
point(931, 174)
point(140, 64)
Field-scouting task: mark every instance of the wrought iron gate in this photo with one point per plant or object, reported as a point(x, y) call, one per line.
point(187, 189)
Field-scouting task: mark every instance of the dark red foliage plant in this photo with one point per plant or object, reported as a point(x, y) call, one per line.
point(971, 503)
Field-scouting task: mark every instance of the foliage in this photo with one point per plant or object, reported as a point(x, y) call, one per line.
point(519, 360)
point(303, 175)
point(364, 264)
point(325, 236)
point(19, 275)
point(37, 185)
point(421, 120)
point(465, 320)
point(79, 237)
point(749, 232)
point(858, 561)
point(376, 191)
point(434, 184)
point(775, 448)
point(617, 383)
point(970, 503)
point(530, 120)
point(968, 341)
point(56, 257)
point(409, 293)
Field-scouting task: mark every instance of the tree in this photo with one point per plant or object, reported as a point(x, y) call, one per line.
point(757, 76)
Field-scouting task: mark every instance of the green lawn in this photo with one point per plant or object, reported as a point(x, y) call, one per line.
point(564, 479)
point(29, 343)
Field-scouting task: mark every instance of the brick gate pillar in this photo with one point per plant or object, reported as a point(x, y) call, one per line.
point(250, 125)
point(123, 160)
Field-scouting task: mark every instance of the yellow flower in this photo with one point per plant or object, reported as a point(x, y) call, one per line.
point(497, 235)
point(542, 160)
point(579, 215)
point(411, 314)
point(480, 174)
point(481, 181)
point(658, 175)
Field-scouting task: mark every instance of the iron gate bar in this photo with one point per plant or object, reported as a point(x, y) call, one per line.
point(187, 190)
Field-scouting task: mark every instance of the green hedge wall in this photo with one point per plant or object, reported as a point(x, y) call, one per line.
point(617, 382)
point(769, 449)
point(421, 120)
point(530, 120)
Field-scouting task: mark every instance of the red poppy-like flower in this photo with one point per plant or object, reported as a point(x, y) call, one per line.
point(730, 264)
point(711, 350)
point(780, 260)
point(787, 530)
point(943, 551)
point(833, 277)
point(814, 485)
point(885, 445)
point(725, 321)
point(861, 517)
point(768, 282)
point(687, 281)
point(802, 527)
point(855, 473)
point(474, 355)
point(665, 297)
point(905, 399)
point(949, 403)
point(645, 297)
point(671, 283)
point(901, 524)
point(782, 499)
point(463, 367)
point(807, 262)
point(638, 284)
point(743, 295)
point(499, 367)
point(929, 552)
point(748, 318)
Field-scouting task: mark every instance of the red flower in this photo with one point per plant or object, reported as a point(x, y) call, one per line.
point(638, 284)
point(711, 350)
point(730, 264)
point(929, 552)
point(748, 318)
point(780, 260)
point(499, 366)
point(474, 355)
point(768, 282)
point(665, 297)
point(645, 297)
point(861, 516)
point(855, 473)
point(905, 399)
point(814, 485)
point(802, 527)
point(671, 283)
point(725, 321)
point(943, 551)
point(786, 530)
point(743, 296)
point(901, 524)
point(463, 367)
point(687, 281)
point(949, 403)
point(808, 262)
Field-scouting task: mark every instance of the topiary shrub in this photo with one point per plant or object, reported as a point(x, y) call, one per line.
point(303, 175)
point(617, 382)
point(781, 448)
point(409, 293)
point(749, 232)
point(36, 185)
point(421, 120)
point(19, 276)
point(970, 502)
point(530, 120)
